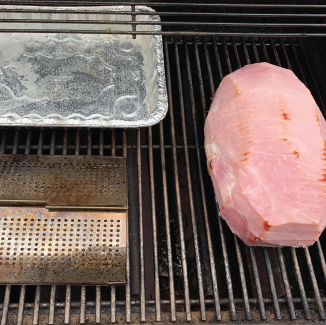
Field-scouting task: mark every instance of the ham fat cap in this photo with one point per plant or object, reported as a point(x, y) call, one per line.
point(266, 154)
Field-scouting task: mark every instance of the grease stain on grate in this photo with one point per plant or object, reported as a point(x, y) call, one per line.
point(38, 246)
point(64, 180)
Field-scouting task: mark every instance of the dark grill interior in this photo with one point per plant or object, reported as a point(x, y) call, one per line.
point(183, 262)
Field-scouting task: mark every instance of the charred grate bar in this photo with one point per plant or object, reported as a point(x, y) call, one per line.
point(195, 269)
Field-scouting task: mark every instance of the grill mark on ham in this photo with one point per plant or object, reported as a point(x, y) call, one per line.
point(286, 116)
point(267, 226)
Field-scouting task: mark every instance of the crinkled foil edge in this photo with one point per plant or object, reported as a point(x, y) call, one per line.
point(99, 120)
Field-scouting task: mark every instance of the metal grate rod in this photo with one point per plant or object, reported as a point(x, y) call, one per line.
point(82, 317)
point(315, 285)
point(179, 210)
point(272, 283)
point(219, 67)
point(257, 282)
point(243, 280)
point(152, 186)
point(77, 145)
point(128, 296)
point(3, 142)
point(300, 283)
point(227, 268)
point(40, 143)
point(67, 305)
point(37, 305)
point(167, 224)
point(321, 257)
point(113, 305)
point(190, 191)
point(52, 145)
point(208, 231)
point(209, 69)
point(165, 190)
point(286, 283)
point(65, 142)
point(16, 139)
point(5, 307)
point(98, 305)
point(20, 314)
point(52, 305)
point(141, 234)
point(28, 142)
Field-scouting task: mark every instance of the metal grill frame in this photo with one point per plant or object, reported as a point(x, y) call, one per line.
point(197, 49)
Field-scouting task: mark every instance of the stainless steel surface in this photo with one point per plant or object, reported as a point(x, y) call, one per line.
point(63, 181)
point(82, 305)
point(38, 246)
point(230, 276)
point(52, 305)
point(21, 305)
point(67, 304)
point(80, 80)
point(37, 305)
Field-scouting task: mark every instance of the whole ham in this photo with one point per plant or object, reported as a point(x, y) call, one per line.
point(266, 154)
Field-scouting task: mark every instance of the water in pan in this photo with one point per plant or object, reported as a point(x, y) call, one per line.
point(71, 76)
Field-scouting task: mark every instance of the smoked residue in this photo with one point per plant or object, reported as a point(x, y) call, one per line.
point(286, 116)
point(210, 164)
point(323, 179)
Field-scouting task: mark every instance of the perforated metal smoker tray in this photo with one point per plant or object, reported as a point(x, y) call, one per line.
point(79, 181)
point(38, 246)
point(67, 244)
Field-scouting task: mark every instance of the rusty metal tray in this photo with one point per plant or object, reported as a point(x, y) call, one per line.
point(63, 181)
point(38, 246)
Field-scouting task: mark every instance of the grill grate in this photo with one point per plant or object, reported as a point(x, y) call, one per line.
point(182, 18)
point(200, 270)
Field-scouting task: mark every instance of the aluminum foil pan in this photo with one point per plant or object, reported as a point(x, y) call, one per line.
point(81, 80)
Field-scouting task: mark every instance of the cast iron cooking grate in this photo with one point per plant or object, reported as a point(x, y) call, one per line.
point(183, 263)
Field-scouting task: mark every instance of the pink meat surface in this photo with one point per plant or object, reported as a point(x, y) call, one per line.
point(266, 154)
